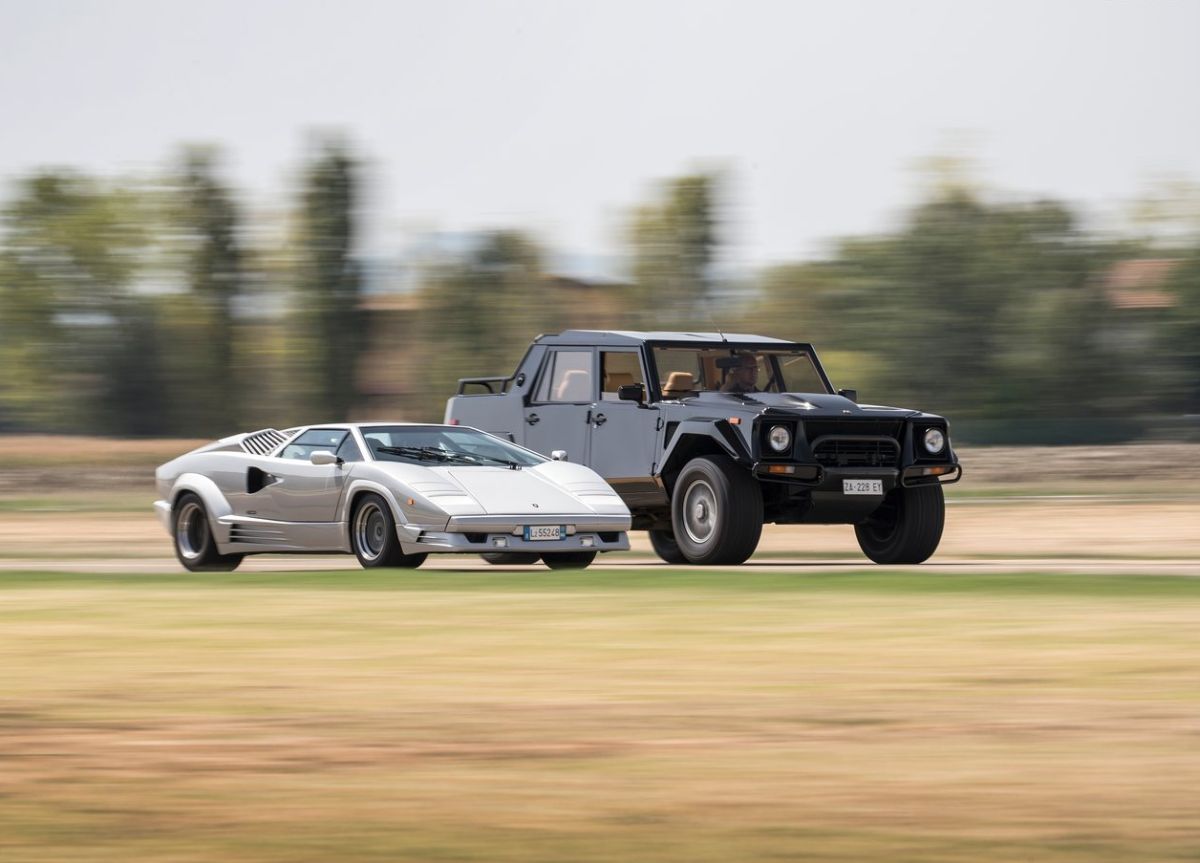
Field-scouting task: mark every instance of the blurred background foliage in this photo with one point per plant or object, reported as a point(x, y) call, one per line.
point(151, 307)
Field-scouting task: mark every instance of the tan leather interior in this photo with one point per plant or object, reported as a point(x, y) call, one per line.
point(679, 384)
point(576, 386)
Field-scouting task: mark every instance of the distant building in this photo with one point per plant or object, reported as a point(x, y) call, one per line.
point(1140, 283)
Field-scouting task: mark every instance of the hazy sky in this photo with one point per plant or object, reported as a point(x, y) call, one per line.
point(557, 116)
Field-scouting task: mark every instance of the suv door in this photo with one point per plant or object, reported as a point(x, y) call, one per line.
point(624, 433)
point(558, 416)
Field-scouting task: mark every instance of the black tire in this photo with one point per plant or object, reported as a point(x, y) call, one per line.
point(665, 546)
point(906, 528)
point(511, 558)
point(194, 544)
point(373, 536)
point(568, 559)
point(716, 512)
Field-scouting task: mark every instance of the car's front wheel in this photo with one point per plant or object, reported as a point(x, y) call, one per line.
point(568, 559)
point(906, 528)
point(195, 545)
point(373, 536)
point(716, 511)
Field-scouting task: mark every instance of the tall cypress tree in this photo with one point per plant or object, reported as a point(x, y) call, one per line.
point(215, 277)
point(331, 280)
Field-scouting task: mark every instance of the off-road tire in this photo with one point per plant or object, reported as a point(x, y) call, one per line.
point(665, 546)
point(373, 536)
point(195, 546)
point(568, 559)
point(510, 558)
point(716, 512)
point(906, 528)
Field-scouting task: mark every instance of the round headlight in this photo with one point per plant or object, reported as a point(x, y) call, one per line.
point(779, 438)
point(935, 441)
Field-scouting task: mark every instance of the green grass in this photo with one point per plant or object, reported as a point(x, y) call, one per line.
point(119, 501)
point(878, 580)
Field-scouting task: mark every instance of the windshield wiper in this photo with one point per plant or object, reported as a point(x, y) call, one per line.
point(432, 453)
point(421, 453)
point(508, 463)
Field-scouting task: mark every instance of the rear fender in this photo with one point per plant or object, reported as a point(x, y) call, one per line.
point(213, 499)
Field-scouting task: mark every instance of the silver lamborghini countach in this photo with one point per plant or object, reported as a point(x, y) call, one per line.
point(390, 493)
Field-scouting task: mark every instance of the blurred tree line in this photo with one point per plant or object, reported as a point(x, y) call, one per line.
point(155, 308)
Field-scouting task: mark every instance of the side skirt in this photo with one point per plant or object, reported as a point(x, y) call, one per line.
point(246, 535)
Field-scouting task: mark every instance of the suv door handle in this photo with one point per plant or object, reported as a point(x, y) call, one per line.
point(599, 420)
point(533, 419)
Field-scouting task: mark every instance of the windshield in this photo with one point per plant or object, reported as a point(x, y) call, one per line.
point(444, 445)
point(686, 372)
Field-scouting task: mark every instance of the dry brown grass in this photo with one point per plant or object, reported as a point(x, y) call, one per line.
point(702, 721)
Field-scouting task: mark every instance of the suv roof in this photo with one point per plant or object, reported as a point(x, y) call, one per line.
point(633, 337)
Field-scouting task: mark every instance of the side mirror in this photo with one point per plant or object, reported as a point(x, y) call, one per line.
point(559, 455)
point(324, 457)
point(849, 394)
point(632, 393)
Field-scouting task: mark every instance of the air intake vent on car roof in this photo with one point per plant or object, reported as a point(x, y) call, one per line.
point(263, 441)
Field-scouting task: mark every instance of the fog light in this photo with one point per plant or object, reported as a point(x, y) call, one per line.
point(500, 542)
point(585, 541)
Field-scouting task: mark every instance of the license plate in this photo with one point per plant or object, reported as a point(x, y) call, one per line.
point(544, 531)
point(862, 486)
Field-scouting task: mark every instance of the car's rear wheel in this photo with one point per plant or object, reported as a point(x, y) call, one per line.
point(906, 528)
point(716, 512)
point(373, 536)
point(568, 559)
point(510, 558)
point(195, 545)
point(664, 545)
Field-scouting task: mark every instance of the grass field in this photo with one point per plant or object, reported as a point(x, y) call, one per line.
point(672, 715)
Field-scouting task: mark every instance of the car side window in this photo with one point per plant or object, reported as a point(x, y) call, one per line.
point(566, 377)
point(618, 368)
point(349, 450)
point(314, 440)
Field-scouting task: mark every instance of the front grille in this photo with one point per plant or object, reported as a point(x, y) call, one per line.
point(838, 451)
point(815, 429)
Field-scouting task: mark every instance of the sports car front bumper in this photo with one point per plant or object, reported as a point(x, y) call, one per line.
point(463, 543)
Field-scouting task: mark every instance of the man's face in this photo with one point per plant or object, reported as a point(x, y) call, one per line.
point(746, 372)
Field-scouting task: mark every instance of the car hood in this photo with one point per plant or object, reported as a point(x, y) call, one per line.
point(550, 488)
point(805, 404)
point(520, 492)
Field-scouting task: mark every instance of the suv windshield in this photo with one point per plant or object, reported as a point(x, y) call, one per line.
point(442, 445)
point(690, 371)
